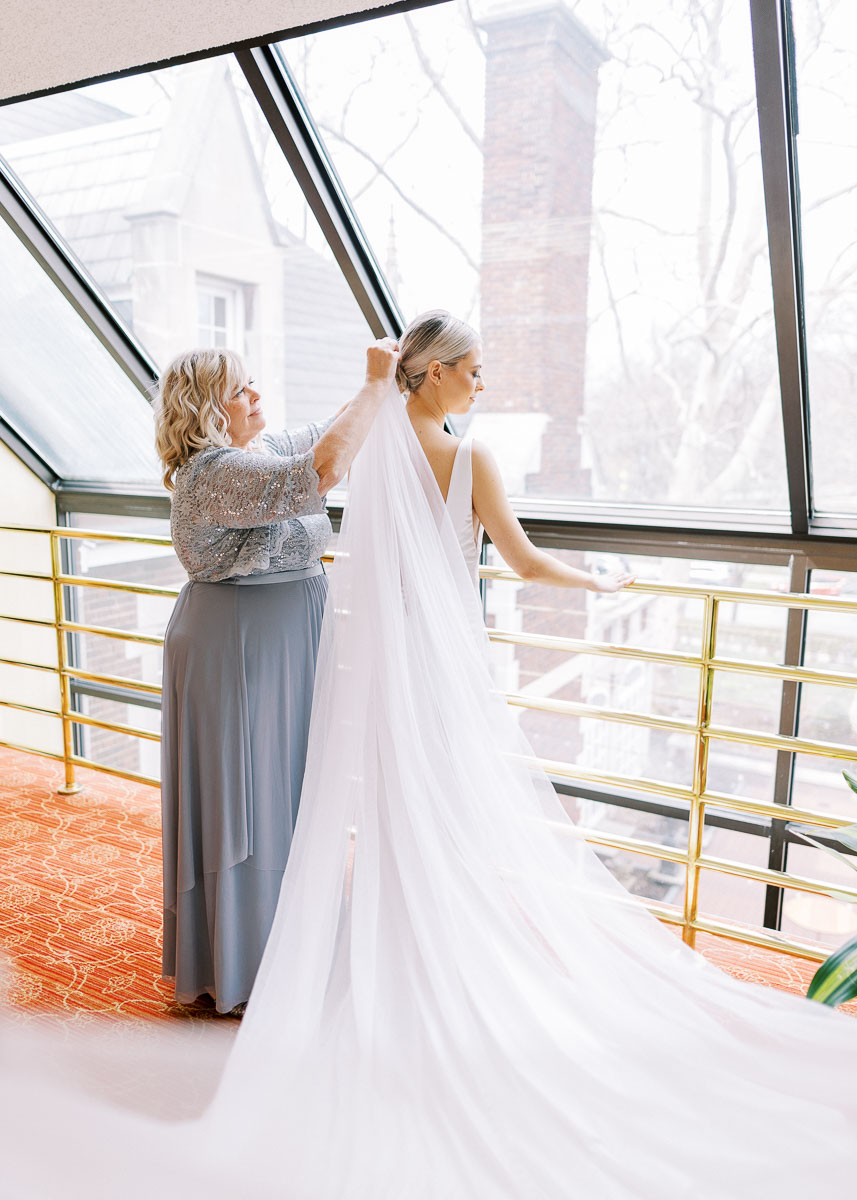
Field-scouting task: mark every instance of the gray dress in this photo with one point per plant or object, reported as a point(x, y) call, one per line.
point(239, 664)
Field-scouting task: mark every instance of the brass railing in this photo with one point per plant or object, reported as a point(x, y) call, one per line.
point(696, 794)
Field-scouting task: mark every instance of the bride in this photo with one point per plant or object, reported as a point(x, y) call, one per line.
point(457, 1000)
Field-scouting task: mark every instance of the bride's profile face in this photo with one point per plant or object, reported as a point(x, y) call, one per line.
point(461, 384)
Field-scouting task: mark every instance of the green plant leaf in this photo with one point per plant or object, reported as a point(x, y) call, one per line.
point(835, 981)
point(850, 780)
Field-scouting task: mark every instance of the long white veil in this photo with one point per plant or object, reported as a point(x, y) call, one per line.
point(458, 1001)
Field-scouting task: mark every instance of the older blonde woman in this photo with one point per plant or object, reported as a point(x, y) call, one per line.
point(249, 526)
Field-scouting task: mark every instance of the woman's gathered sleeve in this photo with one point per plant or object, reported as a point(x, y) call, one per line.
point(298, 441)
point(241, 489)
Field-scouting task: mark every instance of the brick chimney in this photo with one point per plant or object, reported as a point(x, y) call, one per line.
point(540, 96)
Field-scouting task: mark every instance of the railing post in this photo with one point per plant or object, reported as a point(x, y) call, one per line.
point(70, 786)
point(696, 819)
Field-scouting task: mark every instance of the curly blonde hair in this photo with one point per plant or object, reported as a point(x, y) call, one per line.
point(432, 335)
point(189, 412)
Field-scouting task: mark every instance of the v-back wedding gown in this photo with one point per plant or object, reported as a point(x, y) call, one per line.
point(458, 1001)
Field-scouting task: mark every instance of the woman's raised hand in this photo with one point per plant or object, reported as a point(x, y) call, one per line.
point(381, 359)
point(612, 581)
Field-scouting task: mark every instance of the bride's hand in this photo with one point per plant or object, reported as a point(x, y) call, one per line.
point(381, 359)
point(613, 581)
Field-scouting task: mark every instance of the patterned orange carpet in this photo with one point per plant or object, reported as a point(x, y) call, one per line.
point(80, 900)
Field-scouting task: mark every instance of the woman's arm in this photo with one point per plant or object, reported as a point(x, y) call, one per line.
point(514, 547)
point(336, 449)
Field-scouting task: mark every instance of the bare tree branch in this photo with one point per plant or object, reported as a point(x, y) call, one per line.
point(439, 85)
point(417, 208)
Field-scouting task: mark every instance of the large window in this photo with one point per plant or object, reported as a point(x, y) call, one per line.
point(586, 188)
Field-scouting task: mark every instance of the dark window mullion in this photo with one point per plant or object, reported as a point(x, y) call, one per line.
point(775, 97)
point(284, 109)
point(793, 656)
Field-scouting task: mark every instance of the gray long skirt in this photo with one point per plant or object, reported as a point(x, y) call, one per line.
point(239, 666)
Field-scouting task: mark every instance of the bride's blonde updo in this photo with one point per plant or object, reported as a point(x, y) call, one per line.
point(189, 407)
point(433, 335)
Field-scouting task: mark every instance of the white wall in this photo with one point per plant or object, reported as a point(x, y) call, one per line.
point(25, 500)
point(48, 43)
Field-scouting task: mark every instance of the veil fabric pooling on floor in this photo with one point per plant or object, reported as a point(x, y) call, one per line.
point(458, 1001)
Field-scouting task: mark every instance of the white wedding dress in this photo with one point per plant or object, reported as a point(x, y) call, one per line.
point(458, 1001)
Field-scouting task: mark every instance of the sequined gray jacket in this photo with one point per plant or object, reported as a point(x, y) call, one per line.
point(243, 512)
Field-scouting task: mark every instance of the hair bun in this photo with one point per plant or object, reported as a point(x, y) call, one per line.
point(402, 380)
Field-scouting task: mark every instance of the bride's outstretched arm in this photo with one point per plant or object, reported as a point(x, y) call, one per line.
point(335, 450)
point(514, 547)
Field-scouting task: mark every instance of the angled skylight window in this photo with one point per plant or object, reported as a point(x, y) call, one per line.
point(60, 390)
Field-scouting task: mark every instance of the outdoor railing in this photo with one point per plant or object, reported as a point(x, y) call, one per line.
point(696, 795)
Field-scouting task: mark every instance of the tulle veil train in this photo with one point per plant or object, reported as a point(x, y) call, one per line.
point(457, 1000)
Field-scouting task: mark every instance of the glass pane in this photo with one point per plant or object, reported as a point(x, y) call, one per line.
point(826, 68)
point(731, 898)
point(818, 918)
point(818, 785)
point(586, 189)
point(59, 388)
point(162, 180)
point(658, 879)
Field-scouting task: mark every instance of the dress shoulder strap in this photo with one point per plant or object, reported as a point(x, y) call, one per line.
point(459, 498)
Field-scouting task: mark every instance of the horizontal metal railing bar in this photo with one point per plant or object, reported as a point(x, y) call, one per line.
point(99, 535)
point(671, 658)
point(117, 586)
point(741, 596)
point(77, 718)
point(746, 737)
point(774, 812)
point(664, 912)
point(65, 531)
point(134, 776)
point(695, 591)
point(800, 883)
point(622, 841)
point(577, 708)
point(38, 577)
point(147, 639)
point(761, 937)
point(31, 750)
point(31, 708)
point(28, 666)
point(137, 685)
point(542, 641)
point(777, 741)
point(774, 671)
point(28, 621)
point(593, 775)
